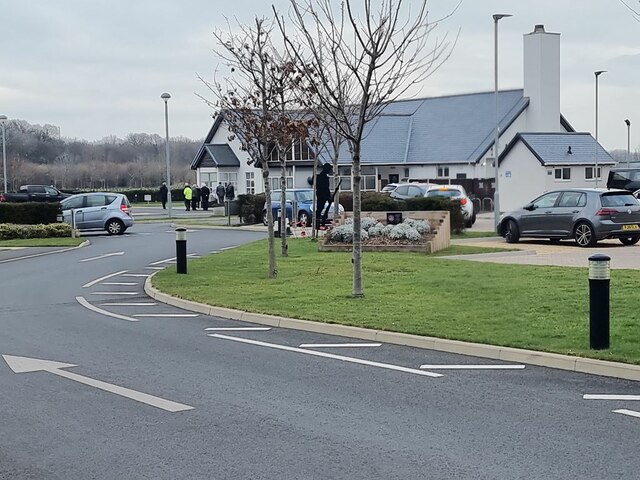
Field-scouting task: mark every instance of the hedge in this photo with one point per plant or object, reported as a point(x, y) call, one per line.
point(10, 231)
point(251, 207)
point(29, 213)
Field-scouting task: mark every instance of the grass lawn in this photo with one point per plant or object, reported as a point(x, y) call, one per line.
point(533, 307)
point(42, 242)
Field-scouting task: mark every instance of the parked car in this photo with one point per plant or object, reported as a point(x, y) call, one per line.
point(624, 178)
point(389, 187)
point(98, 211)
point(584, 214)
point(410, 190)
point(34, 193)
point(455, 192)
point(303, 198)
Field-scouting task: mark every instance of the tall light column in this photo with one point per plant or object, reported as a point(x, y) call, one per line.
point(597, 74)
point(165, 96)
point(496, 194)
point(628, 122)
point(3, 120)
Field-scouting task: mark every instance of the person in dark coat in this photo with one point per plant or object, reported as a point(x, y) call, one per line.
point(220, 193)
point(230, 192)
point(195, 199)
point(164, 193)
point(205, 192)
point(323, 191)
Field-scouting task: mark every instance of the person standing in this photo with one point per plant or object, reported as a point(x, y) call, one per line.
point(230, 192)
point(220, 193)
point(195, 197)
point(164, 192)
point(205, 192)
point(323, 192)
point(188, 195)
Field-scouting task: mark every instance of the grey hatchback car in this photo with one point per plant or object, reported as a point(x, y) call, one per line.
point(586, 215)
point(98, 211)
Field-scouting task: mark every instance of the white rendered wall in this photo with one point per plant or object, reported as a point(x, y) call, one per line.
point(522, 178)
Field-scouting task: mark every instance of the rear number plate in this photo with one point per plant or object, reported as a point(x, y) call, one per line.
point(631, 227)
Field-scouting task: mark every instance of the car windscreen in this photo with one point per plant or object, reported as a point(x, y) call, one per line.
point(444, 193)
point(619, 199)
point(304, 196)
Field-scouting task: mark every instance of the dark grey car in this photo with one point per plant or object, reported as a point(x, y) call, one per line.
point(584, 214)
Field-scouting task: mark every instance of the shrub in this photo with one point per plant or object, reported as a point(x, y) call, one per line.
point(251, 207)
point(404, 230)
point(9, 231)
point(29, 213)
point(378, 202)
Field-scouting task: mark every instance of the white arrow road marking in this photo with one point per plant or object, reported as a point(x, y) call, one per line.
point(237, 329)
point(102, 256)
point(123, 284)
point(131, 304)
point(328, 355)
point(164, 315)
point(82, 301)
point(630, 413)
point(338, 345)
point(610, 397)
point(472, 367)
point(26, 365)
point(98, 280)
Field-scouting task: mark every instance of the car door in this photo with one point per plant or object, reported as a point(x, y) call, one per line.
point(401, 192)
point(74, 205)
point(569, 206)
point(95, 211)
point(537, 219)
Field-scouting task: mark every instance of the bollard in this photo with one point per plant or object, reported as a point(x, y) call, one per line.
point(181, 250)
point(599, 279)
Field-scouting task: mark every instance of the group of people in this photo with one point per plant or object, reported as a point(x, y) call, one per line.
point(196, 197)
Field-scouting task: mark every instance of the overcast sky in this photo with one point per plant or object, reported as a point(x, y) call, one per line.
point(97, 67)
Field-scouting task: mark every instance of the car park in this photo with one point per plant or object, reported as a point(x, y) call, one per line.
point(458, 193)
point(586, 215)
point(98, 211)
point(303, 199)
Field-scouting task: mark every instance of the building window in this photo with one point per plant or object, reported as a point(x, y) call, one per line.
point(209, 179)
point(229, 177)
point(275, 181)
point(369, 179)
point(588, 173)
point(461, 176)
point(299, 150)
point(250, 183)
point(562, 174)
point(443, 172)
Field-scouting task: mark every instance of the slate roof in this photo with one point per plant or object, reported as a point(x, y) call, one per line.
point(553, 148)
point(212, 155)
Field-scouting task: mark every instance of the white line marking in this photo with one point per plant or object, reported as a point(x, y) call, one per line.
point(136, 275)
point(172, 259)
point(630, 413)
point(132, 304)
point(227, 248)
point(338, 345)
point(115, 293)
point(125, 284)
point(176, 315)
point(39, 254)
point(610, 397)
point(98, 280)
point(26, 365)
point(156, 268)
point(102, 256)
point(472, 367)
point(237, 329)
point(328, 355)
point(214, 252)
point(82, 301)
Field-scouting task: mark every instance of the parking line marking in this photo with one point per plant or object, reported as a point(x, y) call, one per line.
point(101, 256)
point(328, 355)
point(131, 304)
point(172, 259)
point(473, 367)
point(338, 345)
point(82, 301)
point(611, 397)
point(125, 284)
point(176, 315)
point(630, 413)
point(98, 280)
point(156, 268)
point(237, 329)
point(136, 275)
point(115, 293)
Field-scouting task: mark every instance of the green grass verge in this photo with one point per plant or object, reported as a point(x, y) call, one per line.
point(533, 307)
point(42, 242)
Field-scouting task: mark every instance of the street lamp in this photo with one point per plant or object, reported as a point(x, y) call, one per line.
point(597, 74)
point(628, 122)
point(3, 121)
point(165, 96)
point(496, 194)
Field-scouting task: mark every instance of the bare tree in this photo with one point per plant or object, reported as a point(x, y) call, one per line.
point(361, 61)
point(634, 11)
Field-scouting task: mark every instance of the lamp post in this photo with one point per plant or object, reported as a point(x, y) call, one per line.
point(496, 194)
point(628, 122)
point(3, 121)
point(165, 96)
point(597, 74)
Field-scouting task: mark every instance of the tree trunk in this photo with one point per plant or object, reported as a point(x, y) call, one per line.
point(284, 247)
point(336, 182)
point(272, 272)
point(357, 290)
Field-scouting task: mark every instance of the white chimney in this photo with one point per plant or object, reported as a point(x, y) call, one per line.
point(542, 80)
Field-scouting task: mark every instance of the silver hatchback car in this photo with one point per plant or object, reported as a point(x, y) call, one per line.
point(584, 214)
point(98, 211)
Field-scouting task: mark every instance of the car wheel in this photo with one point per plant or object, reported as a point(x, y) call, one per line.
point(265, 220)
point(115, 227)
point(630, 240)
point(584, 235)
point(304, 218)
point(511, 232)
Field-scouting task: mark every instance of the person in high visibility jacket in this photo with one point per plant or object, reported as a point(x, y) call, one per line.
point(188, 195)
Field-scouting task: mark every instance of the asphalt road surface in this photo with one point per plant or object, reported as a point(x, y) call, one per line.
point(148, 391)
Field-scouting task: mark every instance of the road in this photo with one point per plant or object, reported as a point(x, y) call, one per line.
point(147, 391)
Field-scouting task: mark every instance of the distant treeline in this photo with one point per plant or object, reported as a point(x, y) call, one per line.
point(37, 155)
